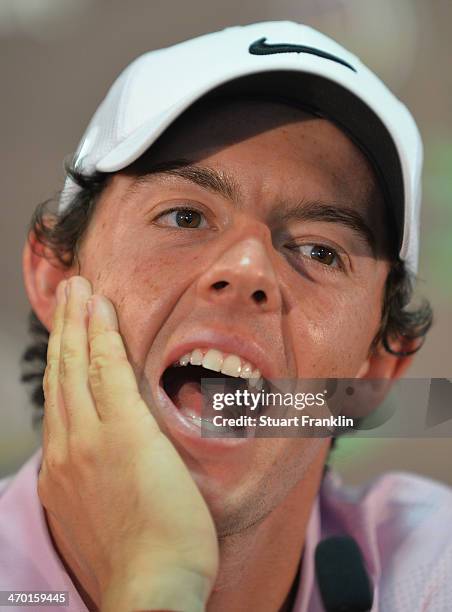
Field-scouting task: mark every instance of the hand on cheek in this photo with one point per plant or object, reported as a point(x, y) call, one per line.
point(124, 502)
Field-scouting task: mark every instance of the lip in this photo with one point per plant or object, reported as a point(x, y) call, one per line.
point(189, 434)
point(232, 342)
point(236, 342)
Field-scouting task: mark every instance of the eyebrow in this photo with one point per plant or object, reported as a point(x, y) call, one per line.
point(216, 181)
point(223, 184)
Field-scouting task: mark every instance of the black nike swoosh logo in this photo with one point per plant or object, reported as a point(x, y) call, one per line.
point(260, 47)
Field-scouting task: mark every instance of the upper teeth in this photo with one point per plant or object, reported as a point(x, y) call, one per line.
point(231, 365)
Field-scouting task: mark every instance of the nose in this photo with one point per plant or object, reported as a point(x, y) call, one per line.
point(242, 276)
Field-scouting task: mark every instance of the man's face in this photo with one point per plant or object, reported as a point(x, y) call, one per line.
point(273, 264)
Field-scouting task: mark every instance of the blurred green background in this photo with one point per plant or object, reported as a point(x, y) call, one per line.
point(58, 57)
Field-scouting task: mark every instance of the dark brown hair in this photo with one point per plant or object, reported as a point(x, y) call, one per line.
point(63, 233)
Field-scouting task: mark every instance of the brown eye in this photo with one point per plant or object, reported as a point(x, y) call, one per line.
point(183, 218)
point(188, 218)
point(321, 253)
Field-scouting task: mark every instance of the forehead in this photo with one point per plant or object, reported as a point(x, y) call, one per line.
point(267, 136)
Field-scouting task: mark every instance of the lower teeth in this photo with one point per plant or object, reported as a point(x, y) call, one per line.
point(207, 424)
point(197, 420)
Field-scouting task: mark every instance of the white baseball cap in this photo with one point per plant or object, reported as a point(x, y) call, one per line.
point(281, 58)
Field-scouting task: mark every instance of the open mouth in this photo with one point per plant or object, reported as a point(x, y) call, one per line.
point(182, 383)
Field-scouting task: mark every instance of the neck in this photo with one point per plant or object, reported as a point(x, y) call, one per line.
point(259, 567)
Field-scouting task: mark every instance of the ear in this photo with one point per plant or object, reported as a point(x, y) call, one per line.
point(383, 368)
point(383, 364)
point(42, 273)
point(378, 374)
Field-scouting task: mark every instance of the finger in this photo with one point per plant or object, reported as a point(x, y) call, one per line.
point(112, 379)
point(74, 358)
point(54, 412)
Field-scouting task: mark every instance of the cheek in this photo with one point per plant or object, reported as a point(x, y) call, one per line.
point(144, 285)
point(334, 332)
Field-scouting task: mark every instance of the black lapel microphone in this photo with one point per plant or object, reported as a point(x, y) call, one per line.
point(341, 576)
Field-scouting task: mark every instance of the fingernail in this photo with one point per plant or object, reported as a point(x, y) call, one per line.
point(79, 288)
point(105, 310)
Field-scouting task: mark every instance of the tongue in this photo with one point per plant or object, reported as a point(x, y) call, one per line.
point(188, 397)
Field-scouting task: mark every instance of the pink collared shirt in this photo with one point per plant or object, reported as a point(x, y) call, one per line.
point(401, 522)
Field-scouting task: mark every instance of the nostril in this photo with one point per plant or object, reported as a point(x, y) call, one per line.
point(259, 297)
point(220, 285)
